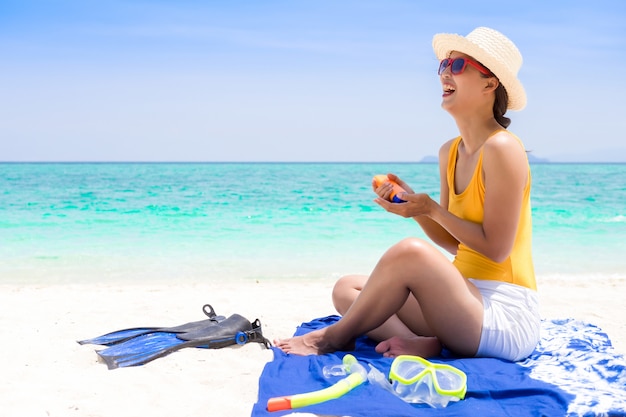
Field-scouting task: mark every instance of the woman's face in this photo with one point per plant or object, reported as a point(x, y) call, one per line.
point(463, 90)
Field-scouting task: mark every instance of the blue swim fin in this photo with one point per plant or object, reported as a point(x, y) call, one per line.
point(123, 335)
point(150, 346)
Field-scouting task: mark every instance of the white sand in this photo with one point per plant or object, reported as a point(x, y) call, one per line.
point(46, 373)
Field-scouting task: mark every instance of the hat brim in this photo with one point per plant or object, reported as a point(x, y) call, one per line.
point(445, 43)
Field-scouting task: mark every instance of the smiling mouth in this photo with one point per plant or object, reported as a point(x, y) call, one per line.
point(448, 90)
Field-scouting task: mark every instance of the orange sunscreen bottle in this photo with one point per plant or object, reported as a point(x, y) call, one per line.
point(381, 179)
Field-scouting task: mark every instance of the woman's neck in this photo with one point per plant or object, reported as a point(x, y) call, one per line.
point(476, 130)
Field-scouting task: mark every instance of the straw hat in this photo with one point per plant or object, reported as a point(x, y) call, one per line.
point(492, 49)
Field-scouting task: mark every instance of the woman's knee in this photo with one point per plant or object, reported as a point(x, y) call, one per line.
point(411, 262)
point(345, 291)
point(413, 248)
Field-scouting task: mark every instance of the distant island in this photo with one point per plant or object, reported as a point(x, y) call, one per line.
point(537, 160)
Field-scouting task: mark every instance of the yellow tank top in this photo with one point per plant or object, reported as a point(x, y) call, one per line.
point(469, 205)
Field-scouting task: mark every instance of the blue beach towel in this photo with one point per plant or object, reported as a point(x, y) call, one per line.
point(572, 372)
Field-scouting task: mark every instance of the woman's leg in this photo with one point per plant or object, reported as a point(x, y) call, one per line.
point(451, 306)
point(348, 288)
point(394, 336)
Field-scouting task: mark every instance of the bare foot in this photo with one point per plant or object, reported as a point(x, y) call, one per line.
point(308, 344)
point(425, 347)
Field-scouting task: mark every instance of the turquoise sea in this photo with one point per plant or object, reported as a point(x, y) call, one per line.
point(86, 222)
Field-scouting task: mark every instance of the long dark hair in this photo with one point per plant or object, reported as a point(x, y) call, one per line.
point(501, 102)
point(500, 105)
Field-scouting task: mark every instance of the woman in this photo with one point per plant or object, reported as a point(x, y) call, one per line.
point(484, 303)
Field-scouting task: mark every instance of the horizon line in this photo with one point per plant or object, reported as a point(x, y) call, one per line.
point(423, 162)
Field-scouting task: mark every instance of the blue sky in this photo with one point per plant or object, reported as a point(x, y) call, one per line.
point(322, 80)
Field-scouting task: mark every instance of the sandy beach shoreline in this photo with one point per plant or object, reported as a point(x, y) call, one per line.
point(46, 373)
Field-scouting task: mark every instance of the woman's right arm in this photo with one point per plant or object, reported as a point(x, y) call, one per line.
point(434, 230)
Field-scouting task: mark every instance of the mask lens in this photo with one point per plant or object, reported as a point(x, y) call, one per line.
point(407, 371)
point(448, 380)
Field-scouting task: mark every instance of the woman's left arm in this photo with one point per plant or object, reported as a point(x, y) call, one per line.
point(505, 174)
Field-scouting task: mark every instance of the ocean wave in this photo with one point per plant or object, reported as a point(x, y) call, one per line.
point(617, 219)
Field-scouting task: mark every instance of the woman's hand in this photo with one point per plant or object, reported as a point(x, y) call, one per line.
point(384, 191)
point(421, 208)
point(416, 205)
point(397, 180)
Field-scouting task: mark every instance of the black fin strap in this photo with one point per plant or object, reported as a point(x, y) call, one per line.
point(210, 313)
point(256, 334)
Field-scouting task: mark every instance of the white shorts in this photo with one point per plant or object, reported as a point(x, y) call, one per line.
point(511, 320)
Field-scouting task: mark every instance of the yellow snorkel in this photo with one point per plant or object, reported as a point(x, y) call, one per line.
point(357, 375)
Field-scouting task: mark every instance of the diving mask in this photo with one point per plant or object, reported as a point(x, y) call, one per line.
point(416, 380)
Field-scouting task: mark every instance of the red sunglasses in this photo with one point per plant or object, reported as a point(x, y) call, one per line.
point(458, 65)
